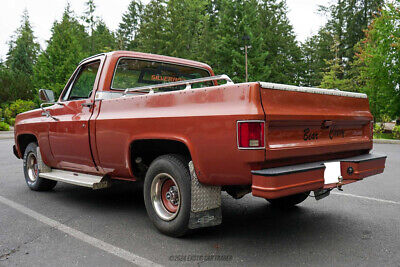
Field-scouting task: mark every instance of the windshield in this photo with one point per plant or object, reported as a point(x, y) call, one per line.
point(131, 73)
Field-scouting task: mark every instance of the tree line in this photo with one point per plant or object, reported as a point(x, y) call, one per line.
point(358, 49)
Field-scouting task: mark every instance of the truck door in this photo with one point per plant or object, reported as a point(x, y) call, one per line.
point(69, 133)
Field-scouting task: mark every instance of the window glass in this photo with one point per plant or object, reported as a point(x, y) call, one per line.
point(83, 84)
point(131, 73)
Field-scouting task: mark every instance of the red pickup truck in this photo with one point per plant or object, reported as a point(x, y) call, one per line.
point(188, 135)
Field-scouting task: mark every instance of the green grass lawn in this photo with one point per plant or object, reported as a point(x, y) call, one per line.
point(384, 136)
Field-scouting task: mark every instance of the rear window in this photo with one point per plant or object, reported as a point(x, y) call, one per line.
point(131, 73)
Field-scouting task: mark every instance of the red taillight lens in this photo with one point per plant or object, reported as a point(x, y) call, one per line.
point(250, 134)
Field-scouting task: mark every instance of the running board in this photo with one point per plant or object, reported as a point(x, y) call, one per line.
point(81, 179)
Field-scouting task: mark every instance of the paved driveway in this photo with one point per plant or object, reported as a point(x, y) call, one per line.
point(77, 226)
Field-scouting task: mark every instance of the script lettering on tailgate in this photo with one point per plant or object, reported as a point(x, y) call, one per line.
point(309, 135)
point(313, 135)
point(333, 132)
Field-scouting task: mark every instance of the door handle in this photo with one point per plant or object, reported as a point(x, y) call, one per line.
point(89, 105)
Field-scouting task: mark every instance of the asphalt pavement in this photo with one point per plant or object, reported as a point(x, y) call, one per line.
point(75, 226)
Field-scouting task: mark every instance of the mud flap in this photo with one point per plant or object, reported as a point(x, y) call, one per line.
point(41, 165)
point(205, 207)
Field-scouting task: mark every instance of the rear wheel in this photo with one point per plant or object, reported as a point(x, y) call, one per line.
point(289, 201)
point(31, 171)
point(167, 194)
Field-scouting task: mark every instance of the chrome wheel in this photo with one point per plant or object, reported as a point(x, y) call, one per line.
point(32, 167)
point(31, 170)
point(165, 196)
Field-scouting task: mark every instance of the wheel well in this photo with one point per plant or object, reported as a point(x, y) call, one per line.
point(24, 140)
point(143, 152)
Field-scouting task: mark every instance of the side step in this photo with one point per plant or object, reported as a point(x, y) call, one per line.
point(82, 179)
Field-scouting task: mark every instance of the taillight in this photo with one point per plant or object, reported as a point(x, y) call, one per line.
point(250, 134)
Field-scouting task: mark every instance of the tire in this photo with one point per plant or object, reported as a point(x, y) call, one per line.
point(31, 171)
point(167, 194)
point(289, 201)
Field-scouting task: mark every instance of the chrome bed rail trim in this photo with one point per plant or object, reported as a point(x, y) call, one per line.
point(285, 87)
point(188, 83)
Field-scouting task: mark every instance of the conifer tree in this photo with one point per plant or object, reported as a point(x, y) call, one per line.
point(16, 76)
point(90, 19)
point(284, 54)
point(23, 48)
point(103, 39)
point(128, 28)
point(378, 58)
point(346, 24)
point(152, 36)
point(65, 49)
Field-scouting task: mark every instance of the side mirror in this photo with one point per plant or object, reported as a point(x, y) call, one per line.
point(46, 95)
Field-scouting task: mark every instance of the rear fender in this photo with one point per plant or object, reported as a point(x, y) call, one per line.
point(142, 146)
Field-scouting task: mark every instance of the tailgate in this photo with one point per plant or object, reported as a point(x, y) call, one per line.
point(310, 121)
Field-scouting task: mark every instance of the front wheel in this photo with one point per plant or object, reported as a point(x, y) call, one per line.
point(167, 194)
point(31, 171)
point(289, 201)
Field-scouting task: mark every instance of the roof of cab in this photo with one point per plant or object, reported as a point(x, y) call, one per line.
point(153, 57)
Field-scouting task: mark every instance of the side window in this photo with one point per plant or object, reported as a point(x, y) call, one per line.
point(82, 86)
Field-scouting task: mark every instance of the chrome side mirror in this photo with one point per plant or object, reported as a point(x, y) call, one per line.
point(46, 95)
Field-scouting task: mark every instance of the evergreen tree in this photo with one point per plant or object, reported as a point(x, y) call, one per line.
point(316, 52)
point(333, 77)
point(151, 36)
point(23, 49)
point(100, 38)
point(213, 30)
point(66, 48)
point(223, 28)
point(284, 53)
point(348, 20)
point(90, 20)
point(378, 59)
point(16, 77)
point(89, 16)
point(103, 39)
point(207, 39)
point(183, 35)
point(15, 85)
point(346, 24)
point(228, 57)
point(128, 28)
point(241, 20)
point(273, 53)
